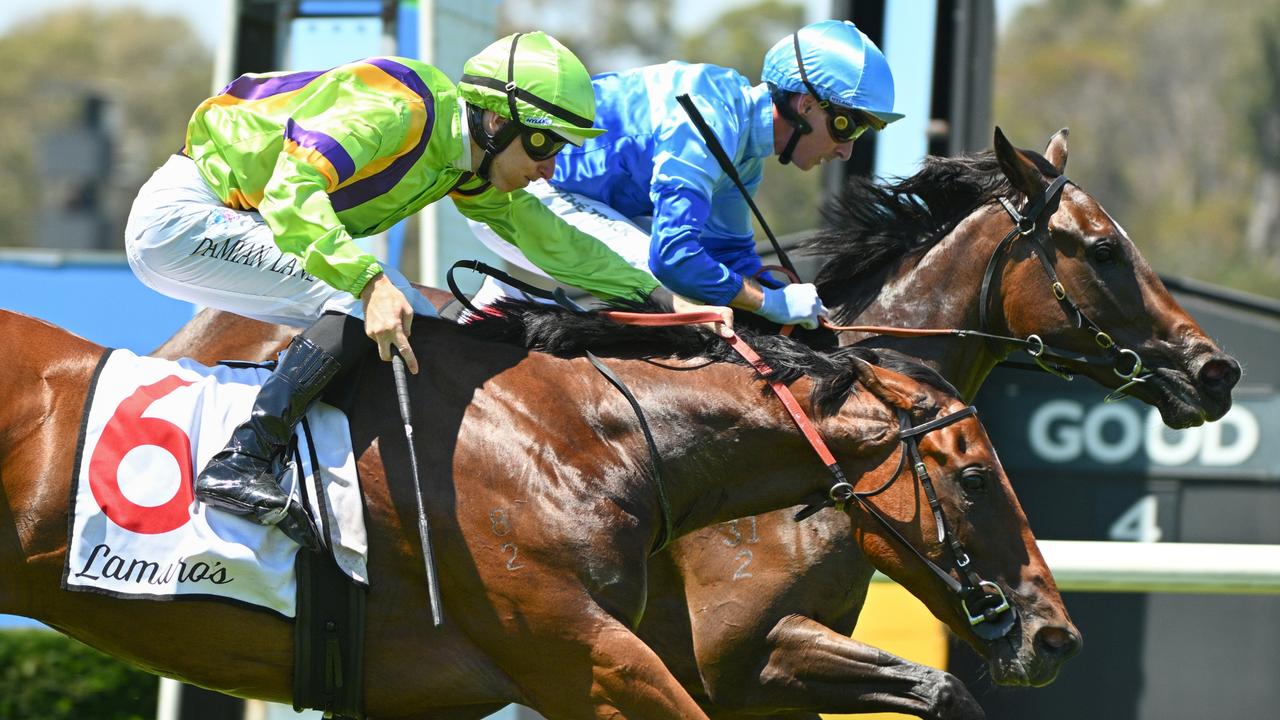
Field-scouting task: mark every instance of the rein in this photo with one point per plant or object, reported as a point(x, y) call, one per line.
point(1024, 225)
point(840, 487)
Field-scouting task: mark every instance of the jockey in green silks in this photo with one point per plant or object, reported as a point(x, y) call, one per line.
point(281, 171)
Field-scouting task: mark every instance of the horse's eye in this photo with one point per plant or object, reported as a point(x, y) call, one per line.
point(973, 479)
point(1104, 253)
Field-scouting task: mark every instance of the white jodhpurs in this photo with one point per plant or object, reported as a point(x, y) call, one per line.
point(627, 237)
point(181, 241)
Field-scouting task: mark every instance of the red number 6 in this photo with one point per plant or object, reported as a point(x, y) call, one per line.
point(126, 430)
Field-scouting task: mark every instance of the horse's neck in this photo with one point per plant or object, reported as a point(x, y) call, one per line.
point(738, 453)
point(45, 373)
point(940, 289)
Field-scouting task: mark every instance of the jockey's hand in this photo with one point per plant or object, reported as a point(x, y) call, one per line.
point(682, 304)
point(795, 304)
point(388, 316)
point(678, 303)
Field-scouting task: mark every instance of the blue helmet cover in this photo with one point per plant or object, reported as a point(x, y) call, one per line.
point(842, 63)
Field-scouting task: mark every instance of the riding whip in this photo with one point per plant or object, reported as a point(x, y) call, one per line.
point(717, 150)
point(424, 532)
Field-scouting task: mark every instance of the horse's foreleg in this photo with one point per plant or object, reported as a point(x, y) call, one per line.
point(627, 680)
point(811, 667)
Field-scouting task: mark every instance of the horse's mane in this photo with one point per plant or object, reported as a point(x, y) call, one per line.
point(565, 333)
point(870, 227)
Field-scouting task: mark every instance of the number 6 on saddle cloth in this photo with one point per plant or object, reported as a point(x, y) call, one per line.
point(136, 530)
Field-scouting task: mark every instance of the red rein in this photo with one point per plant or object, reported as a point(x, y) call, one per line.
point(750, 355)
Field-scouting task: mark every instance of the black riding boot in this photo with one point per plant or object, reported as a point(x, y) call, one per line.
point(243, 477)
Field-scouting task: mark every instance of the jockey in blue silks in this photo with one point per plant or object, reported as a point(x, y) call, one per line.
point(649, 188)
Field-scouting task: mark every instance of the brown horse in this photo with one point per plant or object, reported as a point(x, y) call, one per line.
point(545, 510)
point(738, 621)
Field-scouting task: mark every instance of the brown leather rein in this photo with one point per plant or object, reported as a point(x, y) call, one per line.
point(749, 354)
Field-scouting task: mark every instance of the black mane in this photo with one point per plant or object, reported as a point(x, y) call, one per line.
point(566, 333)
point(871, 227)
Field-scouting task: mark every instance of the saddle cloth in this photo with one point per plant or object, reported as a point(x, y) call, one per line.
point(137, 531)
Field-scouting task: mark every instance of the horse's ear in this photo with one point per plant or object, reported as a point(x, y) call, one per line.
point(1021, 170)
point(1056, 152)
point(883, 386)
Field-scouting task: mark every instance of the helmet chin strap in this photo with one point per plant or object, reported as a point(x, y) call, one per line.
point(799, 126)
point(497, 142)
point(492, 143)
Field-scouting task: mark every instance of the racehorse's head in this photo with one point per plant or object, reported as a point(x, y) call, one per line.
point(940, 517)
point(1106, 300)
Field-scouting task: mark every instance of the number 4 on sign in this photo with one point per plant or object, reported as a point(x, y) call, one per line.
point(1138, 523)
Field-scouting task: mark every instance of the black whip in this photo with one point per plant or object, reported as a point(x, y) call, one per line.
point(424, 532)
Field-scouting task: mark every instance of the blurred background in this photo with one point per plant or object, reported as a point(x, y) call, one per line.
point(1174, 111)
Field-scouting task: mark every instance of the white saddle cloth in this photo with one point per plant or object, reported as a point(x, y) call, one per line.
point(137, 530)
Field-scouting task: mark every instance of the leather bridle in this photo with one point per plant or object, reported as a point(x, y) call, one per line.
point(985, 606)
point(1031, 223)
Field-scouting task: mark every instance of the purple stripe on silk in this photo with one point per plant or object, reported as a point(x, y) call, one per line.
point(331, 149)
point(371, 187)
point(247, 87)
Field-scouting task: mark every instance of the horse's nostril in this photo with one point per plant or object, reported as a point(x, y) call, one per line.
point(1219, 374)
point(1057, 640)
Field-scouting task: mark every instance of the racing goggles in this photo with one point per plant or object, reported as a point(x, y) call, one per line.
point(846, 124)
point(541, 144)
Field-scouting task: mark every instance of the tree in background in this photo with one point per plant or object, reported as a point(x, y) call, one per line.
point(1263, 233)
point(46, 676)
point(153, 69)
point(1173, 111)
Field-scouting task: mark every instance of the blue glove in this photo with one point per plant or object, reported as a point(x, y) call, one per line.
point(796, 304)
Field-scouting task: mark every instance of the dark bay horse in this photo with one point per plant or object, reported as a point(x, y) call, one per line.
point(914, 254)
point(545, 510)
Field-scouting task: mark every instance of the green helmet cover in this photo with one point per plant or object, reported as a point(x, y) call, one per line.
point(542, 80)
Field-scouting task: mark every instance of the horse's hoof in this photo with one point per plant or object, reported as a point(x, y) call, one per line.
point(953, 701)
